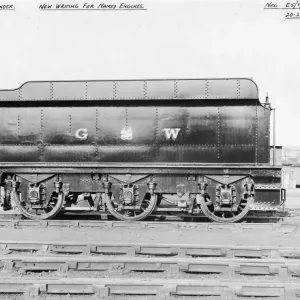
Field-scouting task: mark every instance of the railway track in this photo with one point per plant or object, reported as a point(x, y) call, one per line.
point(289, 226)
point(226, 267)
point(163, 271)
point(190, 271)
point(151, 250)
point(163, 288)
point(149, 260)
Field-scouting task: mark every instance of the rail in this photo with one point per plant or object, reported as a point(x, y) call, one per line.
point(164, 288)
point(140, 249)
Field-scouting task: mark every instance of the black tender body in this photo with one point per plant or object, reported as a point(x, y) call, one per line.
point(218, 121)
point(172, 133)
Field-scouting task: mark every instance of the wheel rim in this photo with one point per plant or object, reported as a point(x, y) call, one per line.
point(50, 211)
point(225, 216)
point(147, 207)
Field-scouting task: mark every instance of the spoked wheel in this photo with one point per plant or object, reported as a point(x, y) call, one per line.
point(225, 216)
point(55, 203)
point(147, 206)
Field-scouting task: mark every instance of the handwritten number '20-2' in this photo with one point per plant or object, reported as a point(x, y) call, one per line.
point(292, 15)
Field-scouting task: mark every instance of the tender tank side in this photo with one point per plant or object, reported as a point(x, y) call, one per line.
point(187, 121)
point(205, 132)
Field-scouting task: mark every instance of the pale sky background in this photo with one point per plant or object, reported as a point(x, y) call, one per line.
point(172, 39)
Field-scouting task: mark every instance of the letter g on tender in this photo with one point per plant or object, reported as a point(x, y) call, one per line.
point(81, 134)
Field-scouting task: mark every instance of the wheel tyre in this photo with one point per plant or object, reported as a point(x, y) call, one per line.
point(51, 214)
point(143, 215)
point(215, 218)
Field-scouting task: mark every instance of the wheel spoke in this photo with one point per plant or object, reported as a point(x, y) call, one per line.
point(146, 208)
point(225, 216)
point(51, 210)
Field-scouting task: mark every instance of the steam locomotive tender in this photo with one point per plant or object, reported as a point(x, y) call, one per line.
point(124, 145)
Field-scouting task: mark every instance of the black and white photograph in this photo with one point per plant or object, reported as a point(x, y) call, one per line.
point(149, 150)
